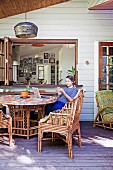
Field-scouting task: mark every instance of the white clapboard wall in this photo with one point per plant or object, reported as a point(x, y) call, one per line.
point(71, 20)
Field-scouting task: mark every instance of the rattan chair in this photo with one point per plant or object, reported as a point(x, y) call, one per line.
point(5, 123)
point(63, 124)
point(104, 117)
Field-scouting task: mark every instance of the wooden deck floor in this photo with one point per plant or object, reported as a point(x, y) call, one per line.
point(96, 153)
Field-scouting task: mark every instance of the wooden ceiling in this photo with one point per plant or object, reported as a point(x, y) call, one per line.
point(14, 7)
point(108, 5)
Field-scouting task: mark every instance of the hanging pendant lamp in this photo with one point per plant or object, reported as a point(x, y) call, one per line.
point(25, 29)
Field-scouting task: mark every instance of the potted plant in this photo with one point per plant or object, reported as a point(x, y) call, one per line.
point(25, 93)
point(72, 71)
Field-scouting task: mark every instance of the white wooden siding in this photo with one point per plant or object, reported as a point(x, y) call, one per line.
point(71, 20)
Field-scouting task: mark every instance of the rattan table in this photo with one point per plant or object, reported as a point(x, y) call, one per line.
point(21, 108)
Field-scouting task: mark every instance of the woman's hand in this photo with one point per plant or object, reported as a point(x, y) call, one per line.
point(61, 90)
point(65, 94)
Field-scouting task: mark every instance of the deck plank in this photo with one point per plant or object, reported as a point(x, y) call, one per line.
point(96, 152)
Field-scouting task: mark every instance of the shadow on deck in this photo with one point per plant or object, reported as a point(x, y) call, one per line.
point(96, 152)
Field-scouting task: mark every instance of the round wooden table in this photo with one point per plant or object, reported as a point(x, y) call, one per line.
point(20, 109)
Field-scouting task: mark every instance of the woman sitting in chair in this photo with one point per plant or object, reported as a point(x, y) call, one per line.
point(64, 95)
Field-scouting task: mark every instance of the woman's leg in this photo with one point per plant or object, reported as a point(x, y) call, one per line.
point(48, 109)
point(53, 106)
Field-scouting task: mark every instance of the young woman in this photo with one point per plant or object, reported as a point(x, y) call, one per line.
point(64, 95)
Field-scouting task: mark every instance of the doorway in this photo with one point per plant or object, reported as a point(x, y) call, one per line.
point(105, 66)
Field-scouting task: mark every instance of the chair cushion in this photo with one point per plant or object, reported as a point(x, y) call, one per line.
point(104, 98)
point(108, 118)
point(106, 101)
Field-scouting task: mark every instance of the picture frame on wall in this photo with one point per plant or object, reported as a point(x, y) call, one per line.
point(46, 61)
point(30, 60)
point(52, 60)
point(21, 73)
point(57, 62)
point(33, 68)
point(25, 61)
point(34, 73)
point(29, 66)
point(51, 55)
point(41, 61)
point(46, 55)
point(35, 60)
point(27, 74)
point(21, 63)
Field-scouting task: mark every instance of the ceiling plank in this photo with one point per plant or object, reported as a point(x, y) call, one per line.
point(14, 7)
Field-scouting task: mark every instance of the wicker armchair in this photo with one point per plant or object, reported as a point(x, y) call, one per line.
point(5, 123)
point(63, 124)
point(104, 116)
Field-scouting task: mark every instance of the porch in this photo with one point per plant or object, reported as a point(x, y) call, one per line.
point(96, 152)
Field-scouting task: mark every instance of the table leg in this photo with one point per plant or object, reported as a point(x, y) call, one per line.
point(28, 123)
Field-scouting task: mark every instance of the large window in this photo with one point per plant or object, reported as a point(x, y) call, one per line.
point(56, 57)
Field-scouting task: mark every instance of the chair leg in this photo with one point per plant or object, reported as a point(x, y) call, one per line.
point(10, 131)
point(38, 140)
point(79, 137)
point(53, 136)
point(40, 135)
point(38, 143)
point(70, 150)
point(10, 135)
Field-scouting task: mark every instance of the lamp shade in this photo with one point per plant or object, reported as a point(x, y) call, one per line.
point(26, 30)
point(38, 45)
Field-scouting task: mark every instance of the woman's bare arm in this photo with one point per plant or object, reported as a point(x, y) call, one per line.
point(65, 94)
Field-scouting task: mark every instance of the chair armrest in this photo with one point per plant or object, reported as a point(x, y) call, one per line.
point(100, 111)
point(4, 115)
point(44, 119)
point(59, 114)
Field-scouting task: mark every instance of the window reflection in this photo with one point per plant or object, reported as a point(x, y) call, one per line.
point(104, 70)
point(110, 50)
point(104, 80)
point(104, 60)
point(104, 50)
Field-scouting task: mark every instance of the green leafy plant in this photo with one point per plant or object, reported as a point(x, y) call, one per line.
point(28, 87)
point(72, 71)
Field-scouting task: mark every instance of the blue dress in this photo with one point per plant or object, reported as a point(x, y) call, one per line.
point(61, 100)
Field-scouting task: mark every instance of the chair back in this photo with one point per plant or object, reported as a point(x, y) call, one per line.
point(3, 122)
point(104, 98)
point(78, 102)
point(75, 108)
point(0, 116)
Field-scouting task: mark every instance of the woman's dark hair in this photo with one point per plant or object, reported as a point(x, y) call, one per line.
point(71, 78)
